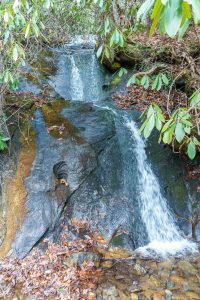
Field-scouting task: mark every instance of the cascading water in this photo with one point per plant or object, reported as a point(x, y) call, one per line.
point(164, 236)
point(76, 83)
point(79, 76)
point(155, 223)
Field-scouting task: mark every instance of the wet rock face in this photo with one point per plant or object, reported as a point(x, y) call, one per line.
point(7, 171)
point(46, 196)
point(100, 198)
point(75, 172)
point(2, 215)
point(77, 144)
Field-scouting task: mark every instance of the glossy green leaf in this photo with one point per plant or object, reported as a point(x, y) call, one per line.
point(156, 15)
point(145, 82)
point(165, 79)
point(107, 53)
point(107, 26)
point(196, 141)
point(191, 150)
point(173, 14)
point(144, 9)
point(196, 10)
point(47, 4)
point(159, 85)
point(195, 99)
point(155, 83)
point(15, 53)
point(186, 11)
point(131, 80)
point(27, 32)
point(161, 117)
point(183, 28)
point(122, 72)
point(179, 132)
point(99, 51)
point(121, 40)
point(6, 17)
point(167, 125)
point(187, 130)
point(168, 135)
point(158, 124)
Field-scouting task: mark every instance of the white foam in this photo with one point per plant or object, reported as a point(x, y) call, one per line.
point(167, 248)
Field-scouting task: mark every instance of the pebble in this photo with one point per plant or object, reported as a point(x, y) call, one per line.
point(92, 296)
point(111, 291)
point(158, 296)
point(170, 284)
point(123, 296)
point(140, 269)
point(168, 294)
point(186, 268)
point(107, 264)
point(134, 296)
point(118, 277)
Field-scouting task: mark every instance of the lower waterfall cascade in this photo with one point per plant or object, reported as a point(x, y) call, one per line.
point(164, 237)
point(163, 234)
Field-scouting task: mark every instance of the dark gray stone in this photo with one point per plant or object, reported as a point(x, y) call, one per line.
point(47, 198)
point(77, 259)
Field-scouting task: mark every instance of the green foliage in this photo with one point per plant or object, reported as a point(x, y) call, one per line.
point(178, 129)
point(117, 39)
point(23, 22)
point(122, 72)
point(133, 79)
point(3, 141)
point(156, 82)
point(172, 16)
point(152, 117)
point(19, 21)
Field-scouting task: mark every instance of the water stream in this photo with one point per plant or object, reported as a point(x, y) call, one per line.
point(159, 232)
point(76, 84)
point(79, 76)
point(163, 234)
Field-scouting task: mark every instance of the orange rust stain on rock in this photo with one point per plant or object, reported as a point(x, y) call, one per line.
point(15, 193)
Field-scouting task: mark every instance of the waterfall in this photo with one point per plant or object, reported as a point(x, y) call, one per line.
point(155, 225)
point(79, 76)
point(94, 76)
point(76, 83)
point(163, 234)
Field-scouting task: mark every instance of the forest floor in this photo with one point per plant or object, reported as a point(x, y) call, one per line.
point(77, 270)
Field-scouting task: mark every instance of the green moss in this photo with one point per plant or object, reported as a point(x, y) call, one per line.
point(116, 80)
point(115, 66)
point(43, 65)
point(117, 241)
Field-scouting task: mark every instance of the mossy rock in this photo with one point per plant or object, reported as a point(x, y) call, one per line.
point(116, 80)
point(112, 66)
